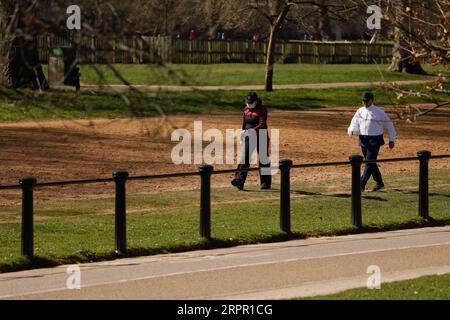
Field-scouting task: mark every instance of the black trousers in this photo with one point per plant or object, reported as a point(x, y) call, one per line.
point(371, 169)
point(241, 177)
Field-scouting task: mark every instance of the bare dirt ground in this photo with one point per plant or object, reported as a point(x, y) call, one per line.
point(80, 149)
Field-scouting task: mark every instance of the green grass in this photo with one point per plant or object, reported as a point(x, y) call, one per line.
point(435, 287)
point(28, 105)
point(241, 74)
point(83, 230)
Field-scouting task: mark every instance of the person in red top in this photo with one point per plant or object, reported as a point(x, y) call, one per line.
point(254, 118)
point(192, 35)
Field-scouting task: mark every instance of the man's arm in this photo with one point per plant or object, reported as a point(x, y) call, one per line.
point(389, 126)
point(354, 125)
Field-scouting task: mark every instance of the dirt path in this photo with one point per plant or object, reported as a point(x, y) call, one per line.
point(124, 88)
point(78, 149)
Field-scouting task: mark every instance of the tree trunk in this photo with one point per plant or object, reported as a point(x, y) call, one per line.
point(211, 17)
point(401, 58)
point(6, 9)
point(270, 60)
point(19, 58)
point(324, 21)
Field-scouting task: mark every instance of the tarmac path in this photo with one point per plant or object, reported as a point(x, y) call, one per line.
point(281, 270)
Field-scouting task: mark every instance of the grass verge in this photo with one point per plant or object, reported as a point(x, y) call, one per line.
point(83, 231)
point(30, 105)
point(242, 74)
point(435, 287)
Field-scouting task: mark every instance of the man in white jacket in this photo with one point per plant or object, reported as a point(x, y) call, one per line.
point(370, 122)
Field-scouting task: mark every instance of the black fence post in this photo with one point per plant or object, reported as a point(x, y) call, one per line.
point(120, 178)
point(205, 200)
point(27, 248)
point(285, 195)
point(424, 157)
point(356, 217)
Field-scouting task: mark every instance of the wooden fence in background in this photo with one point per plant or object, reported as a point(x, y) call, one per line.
point(143, 49)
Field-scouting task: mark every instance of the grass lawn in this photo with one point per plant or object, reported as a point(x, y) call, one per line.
point(425, 288)
point(83, 230)
point(29, 105)
point(241, 74)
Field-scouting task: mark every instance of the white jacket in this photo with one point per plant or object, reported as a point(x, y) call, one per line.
point(371, 121)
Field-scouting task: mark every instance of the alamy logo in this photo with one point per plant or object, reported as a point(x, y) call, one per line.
point(74, 280)
point(374, 21)
point(222, 150)
point(374, 281)
point(74, 20)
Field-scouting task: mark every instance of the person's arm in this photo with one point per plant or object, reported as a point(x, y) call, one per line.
point(389, 126)
point(354, 125)
point(243, 121)
point(262, 119)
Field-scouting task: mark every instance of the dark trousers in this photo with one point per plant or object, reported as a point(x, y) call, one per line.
point(240, 176)
point(371, 169)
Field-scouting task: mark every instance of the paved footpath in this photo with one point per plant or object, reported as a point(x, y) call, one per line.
point(267, 271)
point(143, 87)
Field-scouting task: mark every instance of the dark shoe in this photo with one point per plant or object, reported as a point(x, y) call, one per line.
point(363, 187)
point(238, 185)
point(265, 187)
point(379, 186)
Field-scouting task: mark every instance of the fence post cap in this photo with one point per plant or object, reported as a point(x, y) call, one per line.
point(28, 181)
point(355, 158)
point(424, 153)
point(206, 168)
point(285, 163)
point(120, 175)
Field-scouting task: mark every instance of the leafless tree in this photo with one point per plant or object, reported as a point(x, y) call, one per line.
point(404, 58)
point(421, 34)
point(278, 12)
point(422, 30)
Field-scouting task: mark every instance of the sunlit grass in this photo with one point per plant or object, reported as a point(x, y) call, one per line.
point(83, 230)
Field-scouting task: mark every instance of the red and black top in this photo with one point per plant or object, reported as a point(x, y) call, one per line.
point(255, 118)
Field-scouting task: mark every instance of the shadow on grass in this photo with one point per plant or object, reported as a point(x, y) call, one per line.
point(431, 194)
point(336, 195)
point(213, 243)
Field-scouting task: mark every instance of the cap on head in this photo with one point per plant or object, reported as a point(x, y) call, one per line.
point(366, 96)
point(251, 97)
